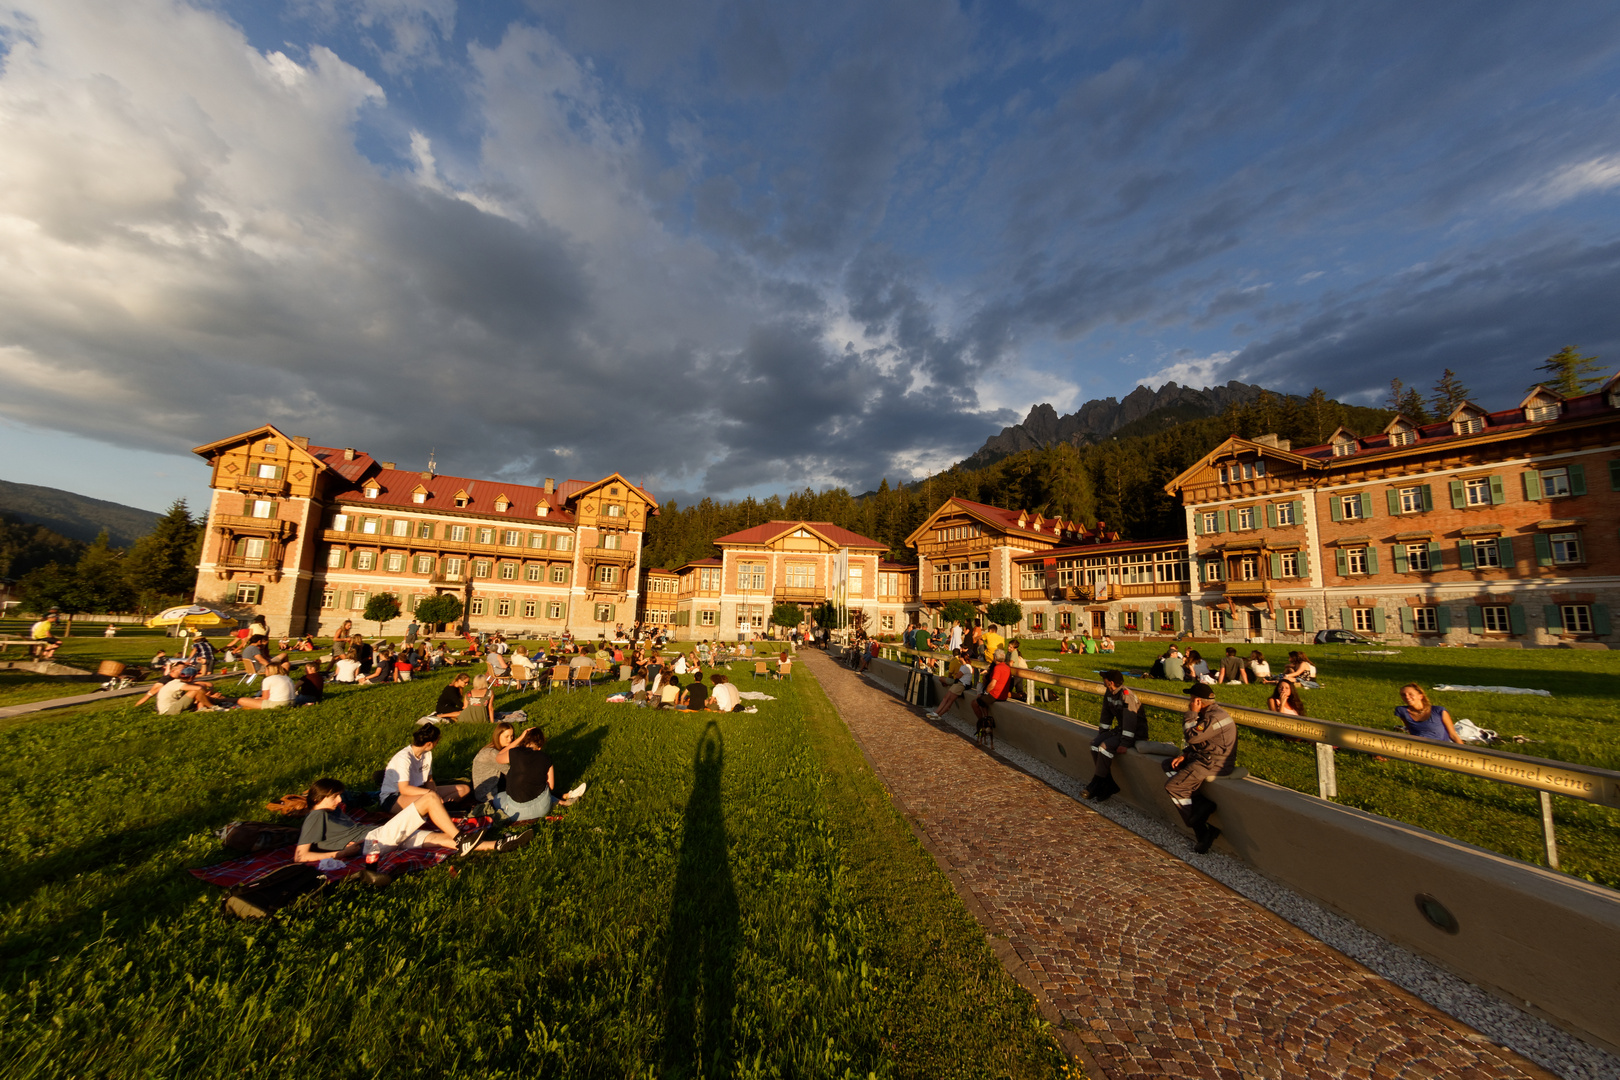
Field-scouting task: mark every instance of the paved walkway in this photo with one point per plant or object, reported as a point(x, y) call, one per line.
point(62, 702)
point(1160, 970)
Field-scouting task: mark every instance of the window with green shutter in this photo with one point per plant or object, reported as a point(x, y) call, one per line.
point(1309, 616)
point(1343, 566)
point(1504, 548)
point(1465, 554)
point(1498, 497)
point(1476, 619)
point(1366, 504)
point(1271, 516)
point(1408, 625)
point(1372, 560)
point(1577, 479)
point(1459, 498)
point(1555, 618)
point(1393, 497)
point(1335, 508)
point(1398, 553)
point(1347, 618)
point(1378, 620)
point(1600, 620)
point(1532, 485)
point(1544, 554)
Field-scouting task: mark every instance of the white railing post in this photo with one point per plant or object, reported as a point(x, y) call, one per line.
point(1547, 835)
point(1327, 773)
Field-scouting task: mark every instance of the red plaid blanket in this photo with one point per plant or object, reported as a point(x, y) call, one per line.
point(249, 868)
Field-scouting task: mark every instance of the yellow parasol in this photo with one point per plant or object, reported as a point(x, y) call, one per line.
point(189, 615)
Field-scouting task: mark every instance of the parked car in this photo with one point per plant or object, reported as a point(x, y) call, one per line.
point(1343, 637)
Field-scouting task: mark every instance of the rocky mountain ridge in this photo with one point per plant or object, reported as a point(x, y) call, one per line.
point(1101, 417)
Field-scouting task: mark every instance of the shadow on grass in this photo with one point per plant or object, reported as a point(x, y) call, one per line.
point(576, 748)
point(703, 928)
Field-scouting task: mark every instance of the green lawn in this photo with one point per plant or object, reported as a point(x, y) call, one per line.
point(734, 896)
point(1579, 723)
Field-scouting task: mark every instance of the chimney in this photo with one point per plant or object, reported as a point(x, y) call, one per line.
point(551, 485)
point(348, 453)
point(389, 465)
point(1274, 440)
point(301, 440)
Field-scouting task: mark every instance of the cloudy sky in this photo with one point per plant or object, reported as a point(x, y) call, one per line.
point(729, 248)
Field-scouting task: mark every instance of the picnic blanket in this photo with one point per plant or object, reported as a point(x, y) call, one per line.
point(1447, 687)
point(755, 695)
point(247, 868)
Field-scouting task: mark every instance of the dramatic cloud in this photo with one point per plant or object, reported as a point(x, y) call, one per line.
point(725, 247)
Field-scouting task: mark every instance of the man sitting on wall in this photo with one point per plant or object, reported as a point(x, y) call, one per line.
point(964, 681)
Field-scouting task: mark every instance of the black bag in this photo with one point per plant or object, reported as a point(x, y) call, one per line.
point(278, 889)
point(248, 837)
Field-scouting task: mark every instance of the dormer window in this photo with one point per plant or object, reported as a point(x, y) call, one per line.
point(419, 497)
point(372, 491)
point(461, 499)
point(1541, 405)
point(1402, 437)
point(1344, 448)
point(269, 447)
point(1468, 425)
point(501, 503)
point(1536, 414)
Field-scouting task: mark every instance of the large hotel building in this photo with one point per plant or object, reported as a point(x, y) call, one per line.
point(304, 535)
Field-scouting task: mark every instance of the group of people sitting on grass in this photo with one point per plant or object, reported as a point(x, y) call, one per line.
point(1087, 644)
point(513, 775)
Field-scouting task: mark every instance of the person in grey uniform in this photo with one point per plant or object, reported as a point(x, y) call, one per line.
point(1123, 722)
point(1211, 736)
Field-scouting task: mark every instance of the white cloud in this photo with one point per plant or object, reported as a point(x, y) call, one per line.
point(1197, 372)
point(1589, 177)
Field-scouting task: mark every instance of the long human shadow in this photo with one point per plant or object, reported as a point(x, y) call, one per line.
point(703, 928)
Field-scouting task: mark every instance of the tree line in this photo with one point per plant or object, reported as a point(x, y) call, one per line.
point(159, 570)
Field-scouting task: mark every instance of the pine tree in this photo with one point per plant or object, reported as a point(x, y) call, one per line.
point(1569, 373)
point(1322, 414)
point(100, 581)
point(1449, 392)
point(163, 564)
point(1397, 389)
point(1412, 406)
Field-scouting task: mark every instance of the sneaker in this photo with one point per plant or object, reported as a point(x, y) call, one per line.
point(578, 790)
point(512, 843)
point(468, 842)
point(1206, 838)
point(932, 715)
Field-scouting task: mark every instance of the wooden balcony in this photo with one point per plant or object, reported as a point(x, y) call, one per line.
point(798, 594)
point(255, 526)
point(1156, 588)
point(243, 562)
point(607, 555)
point(255, 485)
point(1255, 587)
point(942, 596)
point(1035, 594)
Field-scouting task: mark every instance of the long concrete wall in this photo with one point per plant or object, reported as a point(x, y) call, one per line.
point(1543, 940)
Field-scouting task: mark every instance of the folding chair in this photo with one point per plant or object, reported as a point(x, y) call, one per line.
point(784, 669)
point(761, 669)
point(624, 672)
point(560, 674)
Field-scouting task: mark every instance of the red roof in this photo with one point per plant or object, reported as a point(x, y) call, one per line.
point(397, 488)
point(1575, 408)
point(836, 534)
point(885, 564)
point(698, 562)
point(1009, 518)
point(1093, 549)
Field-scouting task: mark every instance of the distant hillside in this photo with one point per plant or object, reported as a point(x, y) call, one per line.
point(75, 516)
point(1143, 411)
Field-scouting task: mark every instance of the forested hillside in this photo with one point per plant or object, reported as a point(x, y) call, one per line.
point(25, 546)
point(1120, 481)
point(75, 516)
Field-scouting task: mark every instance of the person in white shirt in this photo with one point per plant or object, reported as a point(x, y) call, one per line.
point(680, 664)
point(276, 690)
point(964, 681)
point(408, 777)
point(1258, 667)
point(181, 693)
point(724, 697)
point(956, 637)
point(347, 669)
point(522, 666)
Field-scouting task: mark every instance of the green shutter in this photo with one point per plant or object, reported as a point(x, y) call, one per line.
point(1393, 497)
point(1442, 619)
point(613, 613)
point(1338, 555)
point(1366, 504)
point(1203, 618)
point(1428, 497)
point(1614, 474)
point(1498, 497)
point(1304, 563)
point(1600, 620)
point(1276, 565)
point(1437, 559)
point(1308, 620)
point(1175, 620)
point(1347, 618)
point(1577, 479)
point(1378, 620)
point(1532, 485)
point(1299, 512)
point(1555, 619)
point(1543, 550)
point(1198, 523)
point(1221, 522)
point(1408, 624)
point(1504, 549)
point(1465, 554)
point(1459, 499)
point(1476, 619)
point(1335, 508)
point(1372, 559)
point(1271, 516)
point(1399, 552)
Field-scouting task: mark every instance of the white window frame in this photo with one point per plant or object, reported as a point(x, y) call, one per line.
point(1566, 548)
point(476, 607)
point(1285, 513)
point(1294, 618)
point(533, 572)
point(365, 560)
point(1417, 558)
point(1411, 500)
point(1355, 561)
point(1362, 617)
point(503, 608)
point(1425, 620)
point(1495, 618)
point(1555, 483)
point(1246, 518)
point(1477, 491)
point(554, 609)
point(1290, 564)
point(1577, 618)
point(509, 571)
point(1350, 507)
point(1487, 554)
point(559, 575)
point(262, 508)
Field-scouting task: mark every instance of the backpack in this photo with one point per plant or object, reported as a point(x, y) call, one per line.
point(278, 889)
point(250, 836)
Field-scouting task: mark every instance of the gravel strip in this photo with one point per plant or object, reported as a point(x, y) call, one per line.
point(1549, 1046)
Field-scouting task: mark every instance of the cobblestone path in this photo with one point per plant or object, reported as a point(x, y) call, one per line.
point(1159, 970)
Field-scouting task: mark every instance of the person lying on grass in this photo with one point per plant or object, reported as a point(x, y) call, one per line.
point(531, 780)
point(276, 691)
point(408, 777)
point(329, 833)
point(1422, 719)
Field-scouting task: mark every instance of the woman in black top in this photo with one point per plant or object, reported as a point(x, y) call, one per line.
point(531, 781)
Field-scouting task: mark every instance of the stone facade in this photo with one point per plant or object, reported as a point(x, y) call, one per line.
point(1488, 528)
point(304, 535)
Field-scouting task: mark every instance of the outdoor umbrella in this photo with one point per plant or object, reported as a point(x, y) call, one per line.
point(189, 615)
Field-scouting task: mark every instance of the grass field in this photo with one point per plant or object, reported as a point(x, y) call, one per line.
point(733, 896)
point(1579, 723)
